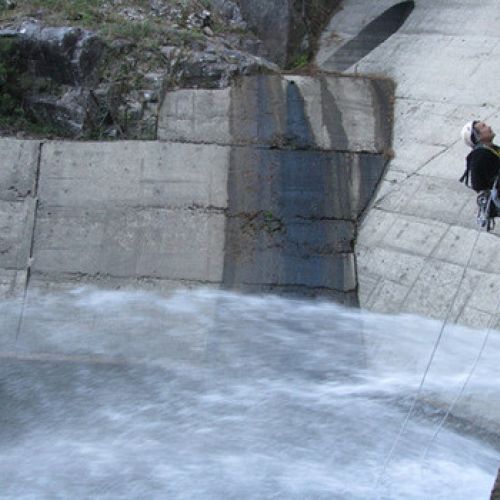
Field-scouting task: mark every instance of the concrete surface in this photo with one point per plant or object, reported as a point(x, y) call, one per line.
point(420, 231)
point(345, 114)
point(18, 172)
point(196, 116)
point(140, 174)
point(419, 249)
point(132, 210)
point(306, 156)
point(18, 177)
point(258, 186)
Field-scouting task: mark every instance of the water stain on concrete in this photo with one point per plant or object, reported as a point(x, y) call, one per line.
point(293, 205)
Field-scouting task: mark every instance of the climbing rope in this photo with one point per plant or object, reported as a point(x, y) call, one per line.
point(466, 382)
point(427, 368)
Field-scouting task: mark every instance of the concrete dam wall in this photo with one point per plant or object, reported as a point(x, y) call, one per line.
point(419, 249)
point(419, 243)
point(257, 187)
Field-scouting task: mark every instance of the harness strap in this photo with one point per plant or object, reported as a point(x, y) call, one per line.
point(466, 175)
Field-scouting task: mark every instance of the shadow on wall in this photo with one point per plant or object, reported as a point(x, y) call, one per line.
point(298, 182)
point(371, 36)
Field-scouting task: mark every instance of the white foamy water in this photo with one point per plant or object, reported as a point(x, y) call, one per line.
point(215, 395)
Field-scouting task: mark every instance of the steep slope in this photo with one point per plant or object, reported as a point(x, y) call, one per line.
point(419, 242)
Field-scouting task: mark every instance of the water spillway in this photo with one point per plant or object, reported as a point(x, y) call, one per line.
point(209, 394)
point(206, 394)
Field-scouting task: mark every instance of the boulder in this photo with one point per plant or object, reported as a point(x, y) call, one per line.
point(67, 55)
point(230, 12)
point(215, 68)
point(58, 66)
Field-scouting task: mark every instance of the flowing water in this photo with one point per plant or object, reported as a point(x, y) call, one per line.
point(213, 395)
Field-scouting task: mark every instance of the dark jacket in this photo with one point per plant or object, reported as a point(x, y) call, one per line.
point(483, 165)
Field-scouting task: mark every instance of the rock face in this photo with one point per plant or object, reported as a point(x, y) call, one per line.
point(288, 28)
point(76, 85)
point(68, 56)
point(230, 11)
point(59, 68)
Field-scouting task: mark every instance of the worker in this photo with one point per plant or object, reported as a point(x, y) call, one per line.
point(483, 162)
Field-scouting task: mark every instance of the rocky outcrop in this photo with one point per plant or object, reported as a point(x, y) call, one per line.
point(59, 68)
point(230, 11)
point(288, 28)
point(78, 83)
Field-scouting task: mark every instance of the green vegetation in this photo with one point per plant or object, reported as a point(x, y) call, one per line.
point(14, 84)
point(299, 62)
point(11, 86)
point(139, 40)
point(111, 21)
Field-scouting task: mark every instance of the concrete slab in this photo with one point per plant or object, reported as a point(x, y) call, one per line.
point(267, 268)
point(41, 284)
point(390, 264)
point(456, 246)
point(414, 236)
point(196, 116)
point(18, 168)
point(366, 285)
point(473, 318)
point(12, 293)
point(429, 198)
point(16, 228)
point(155, 243)
point(388, 297)
point(346, 24)
point(309, 253)
point(344, 112)
point(326, 112)
point(12, 283)
point(435, 96)
point(133, 174)
point(379, 222)
point(432, 293)
point(315, 184)
point(447, 164)
point(486, 255)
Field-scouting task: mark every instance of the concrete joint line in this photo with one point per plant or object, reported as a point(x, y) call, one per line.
point(427, 259)
point(32, 242)
point(209, 209)
point(413, 216)
point(103, 276)
point(325, 218)
point(270, 147)
point(301, 287)
point(289, 219)
point(35, 214)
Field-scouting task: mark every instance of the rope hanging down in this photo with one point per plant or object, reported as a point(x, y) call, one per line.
point(429, 363)
point(466, 382)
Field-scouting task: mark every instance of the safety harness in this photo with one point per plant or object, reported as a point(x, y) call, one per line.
point(466, 175)
point(487, 208)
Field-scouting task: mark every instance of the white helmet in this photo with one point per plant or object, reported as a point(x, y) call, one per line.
point(469, 134)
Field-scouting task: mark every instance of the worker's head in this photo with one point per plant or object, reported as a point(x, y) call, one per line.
point(477, 131)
